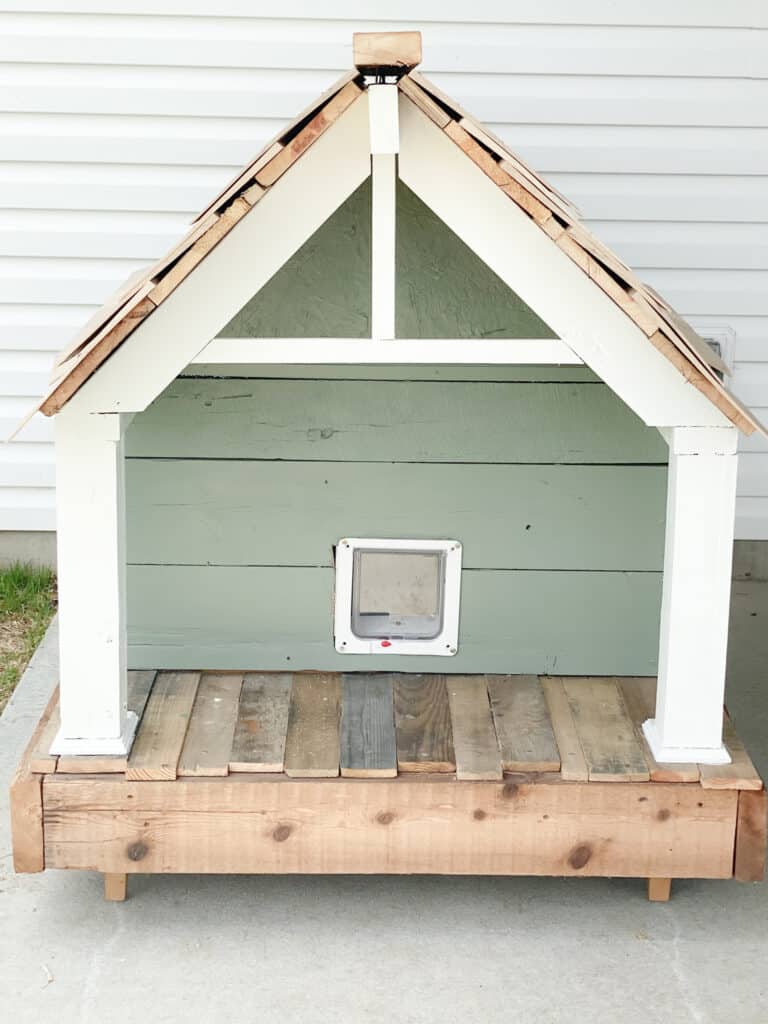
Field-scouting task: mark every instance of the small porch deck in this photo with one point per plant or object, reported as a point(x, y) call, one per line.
point(388, 773)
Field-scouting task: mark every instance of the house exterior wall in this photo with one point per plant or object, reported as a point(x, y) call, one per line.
point(121, 118)
point(239, 486)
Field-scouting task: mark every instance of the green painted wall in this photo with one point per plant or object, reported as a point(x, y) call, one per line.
point(443, 290)
point(238, 487)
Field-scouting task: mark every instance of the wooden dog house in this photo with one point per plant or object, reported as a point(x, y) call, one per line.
point(390, 402)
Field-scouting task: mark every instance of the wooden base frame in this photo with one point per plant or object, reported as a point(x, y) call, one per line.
point(660, 824)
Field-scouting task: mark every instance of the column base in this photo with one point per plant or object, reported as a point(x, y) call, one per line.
point(115, 745)
point(682, 755)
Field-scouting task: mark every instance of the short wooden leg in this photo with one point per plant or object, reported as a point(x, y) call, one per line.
point(115, 887)
point(659, 889)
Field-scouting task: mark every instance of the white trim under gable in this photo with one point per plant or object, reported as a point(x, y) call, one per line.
point(523, 256)
point(245, 259)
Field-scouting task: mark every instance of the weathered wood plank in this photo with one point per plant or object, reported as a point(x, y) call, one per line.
point(262, 723)
point(312, 747)
point(156, 749)
point(208, 743)
point(605, 731)
point(435, 421)
point(740, 773)
point(423, 724)
point(474, 737)
point(640, 701)
point(412, 824)
point(573, 764)
point(26, 801)
point(536, 517)
point(139, 689)
point(231, 616)
point(751, 836)
point(368, 748)
point(523, 726)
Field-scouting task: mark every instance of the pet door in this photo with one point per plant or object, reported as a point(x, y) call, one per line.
point(397, 596)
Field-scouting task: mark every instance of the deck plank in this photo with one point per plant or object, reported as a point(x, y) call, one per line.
point(368, 747)
point(639, 695)
point(139, 688)
point(605, 731)
point(208, 743)
point(523, 726)
point(262, 723)
point(157, 747)
point(40, 758)
point(312, 743)
point(423, 724)
point(573, 764)
point(474, 736)
point(740, 773)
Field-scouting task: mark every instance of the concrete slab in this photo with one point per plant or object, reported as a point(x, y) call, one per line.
point(410, 950)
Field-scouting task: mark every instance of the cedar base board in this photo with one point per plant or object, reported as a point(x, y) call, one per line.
point(419, 824)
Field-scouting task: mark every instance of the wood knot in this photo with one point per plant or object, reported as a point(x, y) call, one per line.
point(137, 850)
point(385, 817)
point(281, 833)
point(479, 815)
point(664, 814)
point(509, 790)
point(579, 856)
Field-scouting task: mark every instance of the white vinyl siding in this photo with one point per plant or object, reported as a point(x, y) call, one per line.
point(119, 119)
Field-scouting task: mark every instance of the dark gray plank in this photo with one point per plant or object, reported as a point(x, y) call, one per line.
point(262, 722)
point(368, 749)
point(523, 725)
point(423, 724)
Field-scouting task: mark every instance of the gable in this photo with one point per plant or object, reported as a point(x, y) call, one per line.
point(168, 312)
point(443, 290)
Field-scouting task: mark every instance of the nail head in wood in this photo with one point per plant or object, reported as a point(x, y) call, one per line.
point(391, 53)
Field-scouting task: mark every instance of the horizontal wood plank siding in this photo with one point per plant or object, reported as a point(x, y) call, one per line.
point(184, 511)
point(122, 118)
point(281, 617)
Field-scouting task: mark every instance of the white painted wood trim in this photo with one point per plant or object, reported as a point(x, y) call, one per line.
point(531, 263)
point(293, 208)
point(324, 351)
point(383, 119)
point(383, 219)
point(693, 638)
point(90, 502)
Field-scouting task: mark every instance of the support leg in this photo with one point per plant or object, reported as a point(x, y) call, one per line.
point(659, 889)
point(115, 887)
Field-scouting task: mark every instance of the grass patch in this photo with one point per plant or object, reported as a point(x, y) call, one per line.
point(27, 604)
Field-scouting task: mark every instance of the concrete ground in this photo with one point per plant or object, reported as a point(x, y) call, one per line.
point(396, 950)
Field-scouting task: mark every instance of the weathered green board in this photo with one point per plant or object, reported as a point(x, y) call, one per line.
point(226, 512)
point(443, 290)
point(393, 421)
point(281, 617)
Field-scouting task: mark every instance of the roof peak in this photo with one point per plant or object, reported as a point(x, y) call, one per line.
point(386, 53)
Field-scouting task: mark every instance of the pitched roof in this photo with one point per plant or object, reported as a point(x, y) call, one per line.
point(141, 294)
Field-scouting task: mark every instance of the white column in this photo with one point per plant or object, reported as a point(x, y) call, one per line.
point(90, 508)
point(385, 142)
point(693, 642)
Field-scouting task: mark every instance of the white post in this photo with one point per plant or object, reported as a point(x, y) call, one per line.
point(91, 575)
point(693, 642)
point(385, 142)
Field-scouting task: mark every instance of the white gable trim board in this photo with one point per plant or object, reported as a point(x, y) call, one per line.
point(702, 441)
